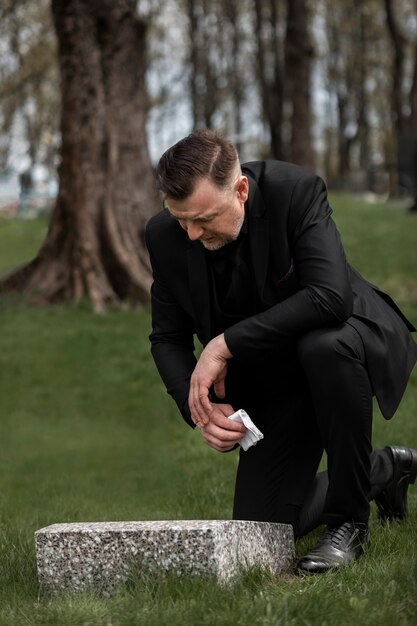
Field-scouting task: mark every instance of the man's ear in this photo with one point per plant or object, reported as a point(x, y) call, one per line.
point(243, 188)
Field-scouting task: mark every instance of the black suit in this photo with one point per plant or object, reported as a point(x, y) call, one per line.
point(304, 285)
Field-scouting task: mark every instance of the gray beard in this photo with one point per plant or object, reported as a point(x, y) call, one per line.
point(225, 240)
point(218, 244)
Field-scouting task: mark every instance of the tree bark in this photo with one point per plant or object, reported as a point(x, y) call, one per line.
point(413, 94)
point(270, 73)
point(298, 59)
point(399, 44)
point(203, 72)
point(363, 132)
point(344, 142)
point(237, 85)
point(94, 246)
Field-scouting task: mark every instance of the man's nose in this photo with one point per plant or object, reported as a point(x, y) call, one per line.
point(194, 231)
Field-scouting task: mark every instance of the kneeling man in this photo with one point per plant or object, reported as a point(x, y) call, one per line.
point(248, 258)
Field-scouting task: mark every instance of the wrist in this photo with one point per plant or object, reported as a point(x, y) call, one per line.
point(221, 347)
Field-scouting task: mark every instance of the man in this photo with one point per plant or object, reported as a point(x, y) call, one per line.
point(250, 261)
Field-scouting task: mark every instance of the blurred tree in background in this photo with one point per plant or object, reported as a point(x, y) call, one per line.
point(331, 85)
point(299, 53)
point(29, 93)
point(94, 245)
point(401, 21)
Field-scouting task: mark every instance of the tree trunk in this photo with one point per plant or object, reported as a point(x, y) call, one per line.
point(413, 95)
point(194, 62)
point(298, 58)
point(363, 132)
point(399, 44)
point(94, 246)
point(237, 84)
point(270, 73)
point(203, 72)
point(344, 142)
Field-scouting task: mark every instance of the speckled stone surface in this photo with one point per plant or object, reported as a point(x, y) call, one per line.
point(104, 554)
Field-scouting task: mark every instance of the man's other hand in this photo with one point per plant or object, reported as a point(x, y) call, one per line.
point(211, 369)
point(221, 433)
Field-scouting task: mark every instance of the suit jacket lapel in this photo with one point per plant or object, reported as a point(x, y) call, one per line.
point(258, 234)
point(199, 289)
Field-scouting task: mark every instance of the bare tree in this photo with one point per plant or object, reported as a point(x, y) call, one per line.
point(398, 67)
point(403, 71)
point(94, 245)
point(203, 42)
point(404, 93)
point(298, 61)
point(362, 117)
point(270, 69)
point(28, 78)
point(355, 62)
point(235, 74)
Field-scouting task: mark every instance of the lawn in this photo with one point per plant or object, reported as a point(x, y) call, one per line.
point(87, 433)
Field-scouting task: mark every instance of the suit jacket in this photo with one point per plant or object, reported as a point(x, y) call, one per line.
point(302, 278)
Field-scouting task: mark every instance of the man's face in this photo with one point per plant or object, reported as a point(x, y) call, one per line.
point(210, 214)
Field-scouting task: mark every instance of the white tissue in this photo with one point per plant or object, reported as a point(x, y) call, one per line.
point(253, 434)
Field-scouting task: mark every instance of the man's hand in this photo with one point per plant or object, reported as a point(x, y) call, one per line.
point(221, 433)
point(211, 369)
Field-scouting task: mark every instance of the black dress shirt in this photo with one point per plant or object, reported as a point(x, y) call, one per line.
point(232, 279)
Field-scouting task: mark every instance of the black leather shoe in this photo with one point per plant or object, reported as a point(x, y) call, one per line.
point(392, 502)
point(338, 546)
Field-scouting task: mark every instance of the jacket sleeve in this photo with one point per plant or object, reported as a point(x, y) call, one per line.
point(172, 344)
point(325, 295)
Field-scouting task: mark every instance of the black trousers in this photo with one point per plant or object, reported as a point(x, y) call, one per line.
point(315, 398)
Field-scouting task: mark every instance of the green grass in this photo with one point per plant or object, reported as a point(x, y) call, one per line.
point(19, 241)
point(87, 433)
